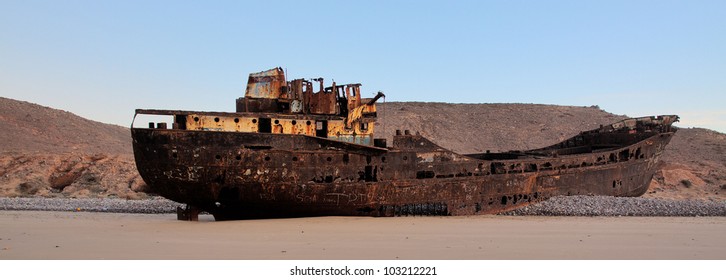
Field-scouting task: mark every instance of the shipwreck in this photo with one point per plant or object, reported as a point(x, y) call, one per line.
point(298, 148)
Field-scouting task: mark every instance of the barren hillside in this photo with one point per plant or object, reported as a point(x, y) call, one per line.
point(28, 127)
point(473, 128)
point(693, 166)
point(52, 153)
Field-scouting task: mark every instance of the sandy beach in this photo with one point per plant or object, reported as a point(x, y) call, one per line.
point(83, 235)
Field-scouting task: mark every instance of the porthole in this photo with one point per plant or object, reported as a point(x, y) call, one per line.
point(294, 158)
point(254, 120)
point(307, 123)
point(329, 159)
point(277, 122)
point(236, 120)
point(196, 119)
point(267, 158)
point(216, 119)
point(294, 122)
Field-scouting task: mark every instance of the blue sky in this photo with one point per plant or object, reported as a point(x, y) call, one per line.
point(103, 59)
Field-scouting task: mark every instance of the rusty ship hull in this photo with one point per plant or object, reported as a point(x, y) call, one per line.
point(251, 175)
point(299, 148)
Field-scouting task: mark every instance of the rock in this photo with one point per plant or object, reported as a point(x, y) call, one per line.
point(621, 206)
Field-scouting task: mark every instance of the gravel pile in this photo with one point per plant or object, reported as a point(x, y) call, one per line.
point(147, 206)
point(556, 206)
point(620, 206)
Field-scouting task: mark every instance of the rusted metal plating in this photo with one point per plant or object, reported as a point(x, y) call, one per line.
point(281, 163)
point(295, 107)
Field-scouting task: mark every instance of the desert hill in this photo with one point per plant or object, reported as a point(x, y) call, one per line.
point(474, 128)
point(57, 154)
point(28, 127)
point(53, 153)
point(693, 166)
